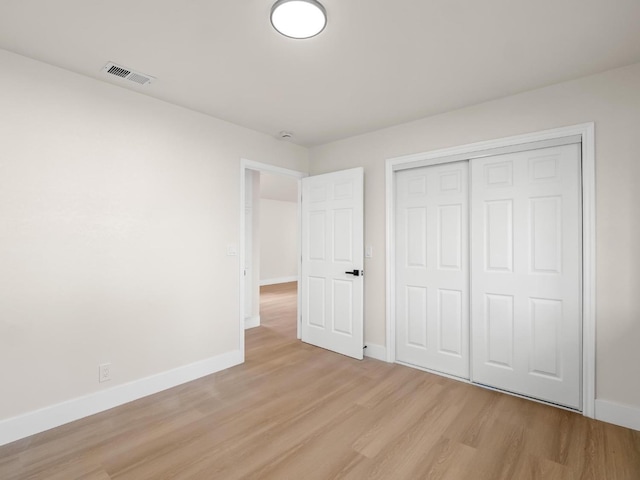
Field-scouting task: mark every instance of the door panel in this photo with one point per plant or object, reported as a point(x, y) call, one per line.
point(450, 317)
point(416, 313)
point(432, 274)
point(526, 273)
point(332, 244)
point(498, 316)
point(499, 235)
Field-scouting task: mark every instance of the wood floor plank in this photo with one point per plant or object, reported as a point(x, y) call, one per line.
point(447, 460)
point(294, 411)
point(533, 467)
point(393, 418)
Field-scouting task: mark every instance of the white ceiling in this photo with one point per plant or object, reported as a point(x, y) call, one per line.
point(378, 63)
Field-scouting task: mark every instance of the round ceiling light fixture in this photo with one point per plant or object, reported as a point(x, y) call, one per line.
point(298, 18)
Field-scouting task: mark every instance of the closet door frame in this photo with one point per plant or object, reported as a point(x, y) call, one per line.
point(583, 133)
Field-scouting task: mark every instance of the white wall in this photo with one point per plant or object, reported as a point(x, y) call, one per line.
point(612, 101)
point(116, 210)
point(278, 241)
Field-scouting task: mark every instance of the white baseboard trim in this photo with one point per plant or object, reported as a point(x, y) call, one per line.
point(618, 414)
point(379, 352)
point(251, 322)
point(274, 281)
point(28, 424)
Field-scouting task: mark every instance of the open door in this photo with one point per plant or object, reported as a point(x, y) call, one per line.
point(331, 285)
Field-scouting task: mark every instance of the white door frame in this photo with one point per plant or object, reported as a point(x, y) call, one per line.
point(272, 170)
point(586, 133)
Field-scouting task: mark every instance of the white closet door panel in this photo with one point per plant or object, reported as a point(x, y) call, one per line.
point(432, 274)
point(526, 273)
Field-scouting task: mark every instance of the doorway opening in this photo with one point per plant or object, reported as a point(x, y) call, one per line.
point(269, 248)
point(278, 310)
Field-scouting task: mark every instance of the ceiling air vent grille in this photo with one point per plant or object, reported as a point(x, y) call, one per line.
point(119, 71)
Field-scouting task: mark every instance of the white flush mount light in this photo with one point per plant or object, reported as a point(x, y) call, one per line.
point(298, 18)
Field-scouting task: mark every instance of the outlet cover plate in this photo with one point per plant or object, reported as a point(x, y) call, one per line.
point(104, 372)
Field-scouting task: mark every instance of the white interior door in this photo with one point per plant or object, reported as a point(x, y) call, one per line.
point(526, 273)
point(332, 259)
point(432, 268)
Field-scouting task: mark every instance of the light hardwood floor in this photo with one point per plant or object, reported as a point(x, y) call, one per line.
point(293, 411)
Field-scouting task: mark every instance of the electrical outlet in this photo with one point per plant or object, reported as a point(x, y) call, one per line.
point(104, 372)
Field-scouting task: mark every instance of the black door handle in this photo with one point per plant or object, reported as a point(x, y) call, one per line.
point(355, 273)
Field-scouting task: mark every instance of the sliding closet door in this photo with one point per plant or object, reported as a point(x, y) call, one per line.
point(432, 272)
point(526, 273)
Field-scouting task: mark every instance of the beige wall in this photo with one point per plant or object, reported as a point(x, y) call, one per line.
point(115, 215)
point(278, 239)
point(612, 101)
